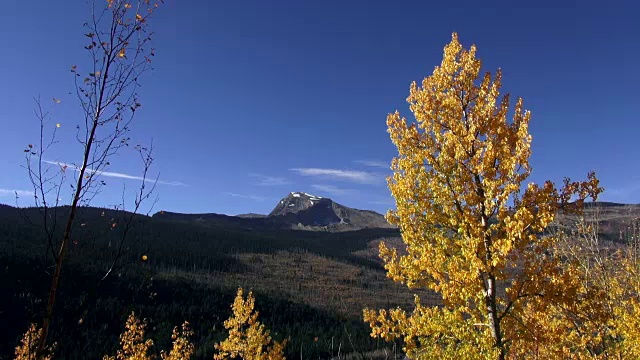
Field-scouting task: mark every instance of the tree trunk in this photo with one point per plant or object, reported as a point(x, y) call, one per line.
point(494, 321)
point(55, 280)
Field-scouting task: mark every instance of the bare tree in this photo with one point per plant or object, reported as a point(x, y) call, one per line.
point(118, 46)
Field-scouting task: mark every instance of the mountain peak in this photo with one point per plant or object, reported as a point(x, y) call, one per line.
point(297, 201)
point(304, 195)
point(302, 209)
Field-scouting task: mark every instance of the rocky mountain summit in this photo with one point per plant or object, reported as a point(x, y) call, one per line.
point(298, 210)
point(295, 202)
point(304, 210)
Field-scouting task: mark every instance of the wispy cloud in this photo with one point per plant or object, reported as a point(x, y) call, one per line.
point(331, 190)
point(265, 180)
point(12, 192)
point(246, 196)
point(117, 175)
point(361, 177)
point(374, 163)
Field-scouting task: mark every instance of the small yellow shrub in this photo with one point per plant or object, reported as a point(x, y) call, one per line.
point(29, 344)
point(248, 339)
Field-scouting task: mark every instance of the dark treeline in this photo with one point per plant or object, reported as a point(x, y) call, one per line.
point(176, 243)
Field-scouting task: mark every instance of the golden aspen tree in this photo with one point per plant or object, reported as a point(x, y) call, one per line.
point(609, 321)
point(134, 345)
point(591, 333)
point(182, 348)
point(26, 350)
point(472, 233)
point(248, 339)
point(627, 310)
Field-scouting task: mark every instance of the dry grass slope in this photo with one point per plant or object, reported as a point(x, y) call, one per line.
point(318, 281)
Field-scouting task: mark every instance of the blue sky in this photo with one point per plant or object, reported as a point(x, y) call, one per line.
point(249, 100)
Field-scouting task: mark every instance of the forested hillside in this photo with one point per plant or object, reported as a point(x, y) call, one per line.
point(310, 286)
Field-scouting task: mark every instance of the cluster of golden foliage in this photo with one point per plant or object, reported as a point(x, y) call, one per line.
point(182, 348)
point(134, 346)
point(606, 314)
point(248, 339)
point(29, 344)
point(471, 233)
point(626, 313)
